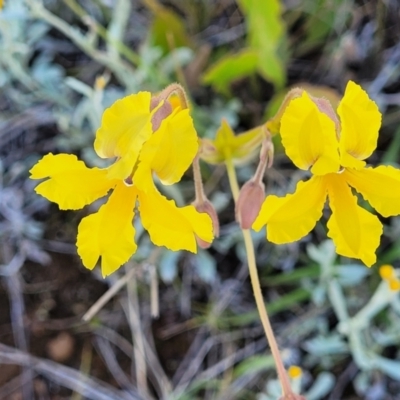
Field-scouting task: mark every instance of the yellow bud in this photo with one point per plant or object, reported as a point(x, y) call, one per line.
point(249, 203)
point(209, 152)
point(101, 82)
point(387, 272)
point(295, 372)
point(394, 284)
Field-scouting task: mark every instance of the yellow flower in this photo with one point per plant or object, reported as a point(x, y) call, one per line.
point(228, 146)
point(126, 133)
point(334, 152)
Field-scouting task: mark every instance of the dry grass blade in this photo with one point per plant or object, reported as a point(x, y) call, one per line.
point(64, 376)
point(137, 336)
point(196, 360)
point(231, 360)
point(104, 348)
point(17, 312)
point(201, 346)
point(146, 360)
point(107, 296)
point(115, 338)
point(14, 385)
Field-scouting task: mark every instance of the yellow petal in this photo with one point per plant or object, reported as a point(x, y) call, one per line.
point(170, 226)
point(221, 148)
point(379, 186)
point(309, 136)
point(355, 232)
point(291, 217)
point(143, 177)
point(360, 121)
point(172, 148)
point(125, 126)
point(109, 232)
point(224, 141)
point(71, 184)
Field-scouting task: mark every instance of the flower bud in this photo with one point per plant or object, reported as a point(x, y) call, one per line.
point(172, 97)
point(325, 107)
point(206, 207)
point(163, 112)
point(209, 152)
point(266, 153)
point(295, 372)
point(249, 203)
point(101, 82)
point(394, 285)
point(387, 272)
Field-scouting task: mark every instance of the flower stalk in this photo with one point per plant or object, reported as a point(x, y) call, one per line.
point(255, 283)
point(274, 123)
point(174, 89)
point(251, 195)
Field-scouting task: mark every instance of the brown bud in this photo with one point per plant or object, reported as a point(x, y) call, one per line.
point(325, 107)
point(202, 243)
point(249, 203)
point(206, 207)
point(266, 154)
point(162, 113)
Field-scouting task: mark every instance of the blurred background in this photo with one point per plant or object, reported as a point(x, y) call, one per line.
point(176, 325)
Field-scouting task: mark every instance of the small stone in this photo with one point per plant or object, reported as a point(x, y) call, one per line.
point(61, 348)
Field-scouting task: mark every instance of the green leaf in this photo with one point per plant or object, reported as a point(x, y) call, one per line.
point(391, 154)
point(351, 274)
point(266, 35)
point(231, 68)
point(254, 364)
point(388, 367)
point(282, 303)
point(289, 278)
point(322, 386)
point(326, 345)
point(168, 265)
point(206, 266)
point(167, 31)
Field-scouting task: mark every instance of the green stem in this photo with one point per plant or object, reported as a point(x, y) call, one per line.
point(124, 50)
point(255, 283)
point(230, 168)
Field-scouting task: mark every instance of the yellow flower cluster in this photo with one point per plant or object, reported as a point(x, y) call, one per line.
point(144, 137)
point(148, 135)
